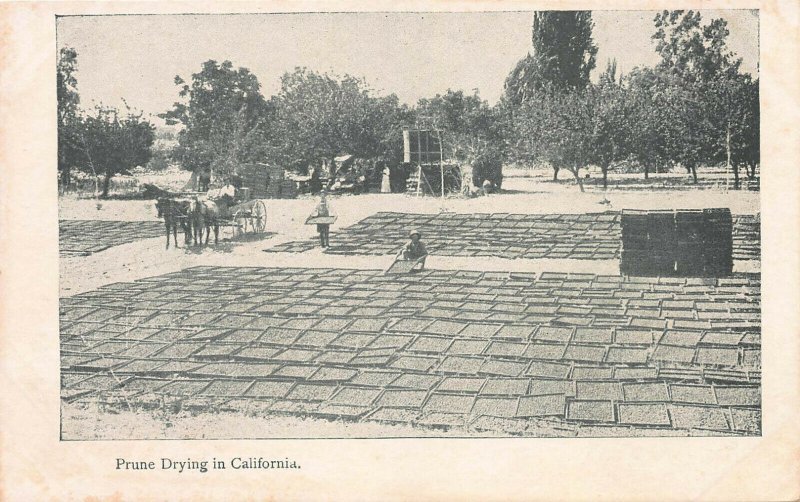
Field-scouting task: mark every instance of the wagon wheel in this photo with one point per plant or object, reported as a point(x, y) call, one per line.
point(258, 216)
point(239, 221)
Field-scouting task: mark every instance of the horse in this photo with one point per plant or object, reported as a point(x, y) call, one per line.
point(204, 213)
point(175, 212)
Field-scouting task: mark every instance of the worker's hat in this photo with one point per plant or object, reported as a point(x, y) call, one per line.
point(414, 231)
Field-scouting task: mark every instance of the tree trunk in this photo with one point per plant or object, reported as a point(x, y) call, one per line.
point(332, 173)
point(605, 176)
point(735, 176)
point(65, 178)
point(751, 174)
point(555, 173)
point(578, 180)
point(106, 183)
point(694, 173)
point(647, 171)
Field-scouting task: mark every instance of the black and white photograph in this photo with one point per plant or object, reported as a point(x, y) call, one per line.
point(408, 224)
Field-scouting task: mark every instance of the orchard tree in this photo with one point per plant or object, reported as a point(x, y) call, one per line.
point(707, 87)
point(319, 116)
point(389, 117)
point(747, 135)
point(226, 120)
point(557, 128)
point(649, 107)
point(734, 108)
point(613, 123)
point(564, 54)
point(68, 113)
point(113, 142)
point(691, 51)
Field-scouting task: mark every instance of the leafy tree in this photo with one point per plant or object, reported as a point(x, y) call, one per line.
point(226, 120)
point(113, 142)
point(704, 85)
point(649, 107)
point(319, 116)
point(473, 132)
point(733, 105)
point(68, 113)
point(613, 118)
point(747, 131)
point(564, 55)
point(691, 51)
point(557, 128)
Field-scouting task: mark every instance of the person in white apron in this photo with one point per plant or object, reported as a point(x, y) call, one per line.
point(386, 186)
point(323, 228)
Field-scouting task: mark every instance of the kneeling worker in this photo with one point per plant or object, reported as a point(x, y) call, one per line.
point(415, 249)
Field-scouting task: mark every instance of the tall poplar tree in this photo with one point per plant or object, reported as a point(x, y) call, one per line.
point(564, 54)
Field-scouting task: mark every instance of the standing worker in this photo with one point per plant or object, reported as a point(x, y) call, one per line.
point(323, 210)
point(205, 179)
point(386, 182)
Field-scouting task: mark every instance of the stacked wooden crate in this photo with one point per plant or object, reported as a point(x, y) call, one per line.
point(661, 242)
point(635, 256)
point(266, 181)
point(718, 242)
point(689, 229)
point(683, 243)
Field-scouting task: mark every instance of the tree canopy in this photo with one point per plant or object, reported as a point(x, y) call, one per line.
point(105, 142)
point(319, 116)
point(694, 107)
point(68, 112)
point(564, 54)
point(115, 142)
point(225, 118)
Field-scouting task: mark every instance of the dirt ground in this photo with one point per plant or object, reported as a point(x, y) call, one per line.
point(147, 257)
point(286, 219)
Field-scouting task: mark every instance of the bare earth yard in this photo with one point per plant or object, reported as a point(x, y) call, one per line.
point(720, 377)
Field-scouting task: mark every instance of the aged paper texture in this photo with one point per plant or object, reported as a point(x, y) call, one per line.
point(524, 351)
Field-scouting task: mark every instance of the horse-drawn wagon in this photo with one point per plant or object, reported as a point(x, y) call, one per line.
point(225, 207)
point(247, 217)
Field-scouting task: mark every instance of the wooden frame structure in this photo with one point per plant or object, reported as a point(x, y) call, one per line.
point(423, 147)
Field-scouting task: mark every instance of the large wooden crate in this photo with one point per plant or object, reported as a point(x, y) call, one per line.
point(635, 257)
point(684, 242)
point(266, 181)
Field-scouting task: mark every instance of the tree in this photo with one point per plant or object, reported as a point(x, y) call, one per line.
point(319, 116)
point(691, 51)
point(747, 130)
point(226, 120)
point(649, 108)
point(113, 142)
point(557, 128)
point(705, 82)
point(613, 116)
point(733, 105)
point(68, 113)
point(564, 55)
point(472, 132)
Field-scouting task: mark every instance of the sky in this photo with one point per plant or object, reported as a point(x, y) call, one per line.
point(413, 55)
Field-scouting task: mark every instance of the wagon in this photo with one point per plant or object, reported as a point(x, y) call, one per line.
point(242, 216)
point(248, 217)
point(240, 213)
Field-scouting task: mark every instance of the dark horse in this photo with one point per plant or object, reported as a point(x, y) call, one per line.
point(204, 214)
point(175, 212)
